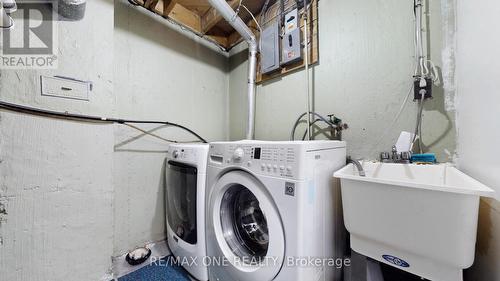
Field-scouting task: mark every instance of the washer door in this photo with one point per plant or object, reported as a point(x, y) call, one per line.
point(247, 227)
point(181, 200)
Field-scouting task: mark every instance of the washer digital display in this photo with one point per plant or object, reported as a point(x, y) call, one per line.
point(256, 153)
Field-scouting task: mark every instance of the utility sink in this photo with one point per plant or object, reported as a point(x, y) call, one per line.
point(418, 218)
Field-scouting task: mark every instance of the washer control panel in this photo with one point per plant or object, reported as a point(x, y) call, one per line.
point(184, 154)
point(275, 160)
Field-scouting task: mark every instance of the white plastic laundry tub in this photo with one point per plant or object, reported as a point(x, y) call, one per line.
point(421, 219)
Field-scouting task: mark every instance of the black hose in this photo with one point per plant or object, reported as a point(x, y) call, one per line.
point(86, 118)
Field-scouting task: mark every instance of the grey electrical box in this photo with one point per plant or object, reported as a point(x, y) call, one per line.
point(270, 50)
point(290, 44)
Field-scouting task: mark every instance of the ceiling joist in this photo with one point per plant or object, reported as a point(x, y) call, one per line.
point(202, 19)
point(212, 17)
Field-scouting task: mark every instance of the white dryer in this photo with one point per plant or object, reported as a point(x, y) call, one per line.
point(185, 205)
point(272, 208)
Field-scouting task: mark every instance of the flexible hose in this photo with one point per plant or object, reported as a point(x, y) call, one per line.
point(86, 118)
point(312, 124)
point(292, 134)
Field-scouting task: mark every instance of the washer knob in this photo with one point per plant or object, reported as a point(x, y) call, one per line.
point(238, 153)
point(175, 154)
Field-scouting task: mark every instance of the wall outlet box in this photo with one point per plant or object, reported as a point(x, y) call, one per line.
point(65, 88)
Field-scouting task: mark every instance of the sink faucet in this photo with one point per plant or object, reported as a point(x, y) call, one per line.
point(395, 157)
point(358, 165)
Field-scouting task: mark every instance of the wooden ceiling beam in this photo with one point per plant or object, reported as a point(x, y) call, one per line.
point(151, 4)
point(182, 14)
point(168, 5)
point(172, 9)
point(212, 17)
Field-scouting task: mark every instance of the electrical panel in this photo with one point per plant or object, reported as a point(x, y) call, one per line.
point(270, 50)
point(290, 43)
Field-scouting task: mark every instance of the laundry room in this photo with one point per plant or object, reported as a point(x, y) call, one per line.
point(249, 140)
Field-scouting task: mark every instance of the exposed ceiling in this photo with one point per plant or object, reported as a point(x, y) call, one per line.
point(199, 17)
point(204, 20)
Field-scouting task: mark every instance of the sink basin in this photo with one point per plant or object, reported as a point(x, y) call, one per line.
point(418, 218)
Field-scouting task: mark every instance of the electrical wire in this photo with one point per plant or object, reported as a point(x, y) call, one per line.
point(417, 67)
point(427, 70)
point(418, 127)
point(237, 11)
point(398, 115)
point(155, 135)
point(253, 17)
point(87, 118)
point(279, 13)
point(263, 12)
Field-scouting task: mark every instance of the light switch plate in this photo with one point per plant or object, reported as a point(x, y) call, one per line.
point(65, 88)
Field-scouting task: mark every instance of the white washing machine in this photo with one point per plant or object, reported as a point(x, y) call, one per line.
point(271, 208)
point(185, 205)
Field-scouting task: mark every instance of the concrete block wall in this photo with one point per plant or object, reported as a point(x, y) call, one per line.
point(364, 73)
point(478, 68)
point(73, 195)
point(160, 74)
point(56, 177)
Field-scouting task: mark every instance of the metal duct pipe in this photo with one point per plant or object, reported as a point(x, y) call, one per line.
point(5, 8)
point(72, 9)
point(237, 23)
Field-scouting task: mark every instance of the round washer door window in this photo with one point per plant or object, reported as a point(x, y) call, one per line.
point(247, 227)
point(244, 224)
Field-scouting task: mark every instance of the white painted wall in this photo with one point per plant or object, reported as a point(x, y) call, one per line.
point(164, 75)
point(478, 69)
point(365, 70)
point(56, 176)
point(77, 194)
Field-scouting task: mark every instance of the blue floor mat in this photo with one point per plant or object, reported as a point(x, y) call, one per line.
point(166, 270)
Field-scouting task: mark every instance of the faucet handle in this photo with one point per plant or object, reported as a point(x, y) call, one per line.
point(385, 157)
point(406, 156)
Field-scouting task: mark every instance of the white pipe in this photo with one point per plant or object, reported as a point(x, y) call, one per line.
point(306, 61)
point(237, 23)
point(418, 34)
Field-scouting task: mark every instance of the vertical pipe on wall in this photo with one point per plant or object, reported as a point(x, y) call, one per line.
point(306, 62)
point(418, 38)
point(237, 23)
point(252, 70)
